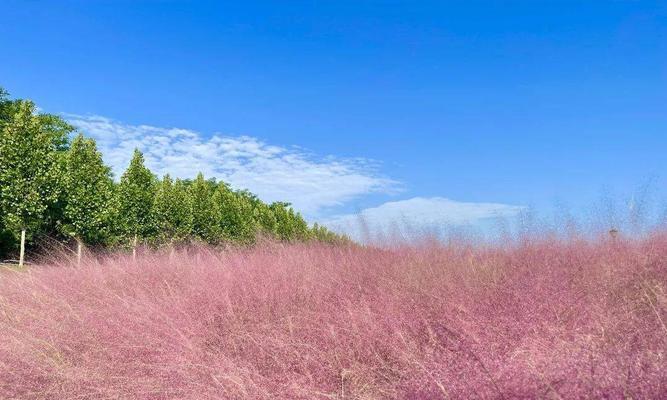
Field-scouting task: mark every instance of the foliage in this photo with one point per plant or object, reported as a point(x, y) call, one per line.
point(57, 186)
point(172, 211)
point(235, 215)
point(30, 151)
point(135, 199)
point(290, 225)
point(321, 234)
point(88, 189)
point(6, 239)
point(205, 216)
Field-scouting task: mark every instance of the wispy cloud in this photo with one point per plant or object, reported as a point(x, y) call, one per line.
point(417, 215)
point(272, 172)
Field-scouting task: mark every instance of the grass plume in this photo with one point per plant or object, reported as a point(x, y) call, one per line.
point(550, 318)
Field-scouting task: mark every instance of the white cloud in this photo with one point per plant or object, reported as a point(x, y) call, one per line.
point(272, 172)
point(412, 217)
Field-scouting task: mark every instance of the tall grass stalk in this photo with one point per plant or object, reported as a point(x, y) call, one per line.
point(543, 318)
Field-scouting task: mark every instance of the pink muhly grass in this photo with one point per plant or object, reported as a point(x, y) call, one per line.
point(571, 319)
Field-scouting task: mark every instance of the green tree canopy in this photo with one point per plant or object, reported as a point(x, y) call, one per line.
point(30, 147)
point(88, 190)
point(6, 238)
point(172, 211)
point(235, 215)
point(135, 199)
point(290, 225)
point(264, 216)
point(205, 221)
point(51, 187)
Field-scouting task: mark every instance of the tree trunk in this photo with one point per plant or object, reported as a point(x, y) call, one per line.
point(134, 247)
point(79, 250)
point(22, 255)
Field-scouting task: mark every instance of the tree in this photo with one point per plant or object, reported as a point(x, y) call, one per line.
point(50, 188)
point(135, 200)
point(172, 211)
point(265, 218)
point(87, 189)
point(235, 215)
point(6, 239)
point(30, 147)
point(322, 234)
point(290, 225)
point(7, 107)
point(205, 220)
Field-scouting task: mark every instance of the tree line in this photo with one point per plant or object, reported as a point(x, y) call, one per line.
point(54, 183)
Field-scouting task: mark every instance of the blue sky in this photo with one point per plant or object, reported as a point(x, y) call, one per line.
point(437, 108)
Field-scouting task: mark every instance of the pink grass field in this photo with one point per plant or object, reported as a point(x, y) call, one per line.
point(542, 319)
